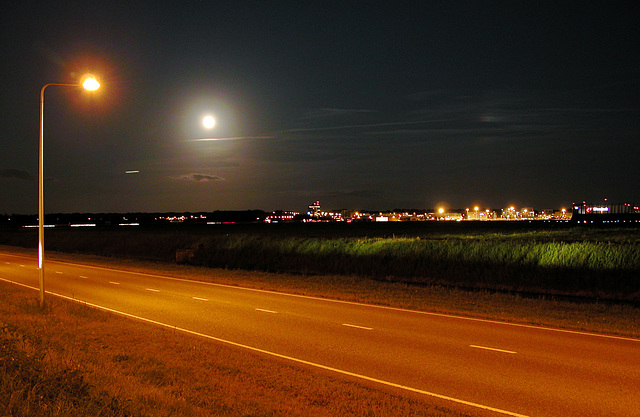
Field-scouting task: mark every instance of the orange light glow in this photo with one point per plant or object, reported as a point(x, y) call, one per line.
point(90, 83)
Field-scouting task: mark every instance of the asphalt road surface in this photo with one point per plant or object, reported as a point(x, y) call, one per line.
point(482, 366)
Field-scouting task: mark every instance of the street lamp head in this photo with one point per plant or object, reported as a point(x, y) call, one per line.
point(90, 83)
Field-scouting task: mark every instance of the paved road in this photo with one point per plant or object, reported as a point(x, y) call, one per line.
point(481, 366)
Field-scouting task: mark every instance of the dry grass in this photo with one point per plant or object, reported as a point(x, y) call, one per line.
point(71, 360)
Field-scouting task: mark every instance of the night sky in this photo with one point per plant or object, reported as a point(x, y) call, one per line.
point(358, 104)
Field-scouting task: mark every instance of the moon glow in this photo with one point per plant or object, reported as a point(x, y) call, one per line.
point(208, 122)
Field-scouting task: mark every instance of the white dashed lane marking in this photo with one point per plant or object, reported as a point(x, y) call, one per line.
point(493, 349)
point(266, 311)
point(357, 327)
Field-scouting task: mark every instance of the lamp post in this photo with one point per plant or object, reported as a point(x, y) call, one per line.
point(88, 83)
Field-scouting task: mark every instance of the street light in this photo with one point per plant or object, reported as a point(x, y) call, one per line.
point(88, 82)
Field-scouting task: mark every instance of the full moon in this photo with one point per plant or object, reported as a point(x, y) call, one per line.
point(208, 122)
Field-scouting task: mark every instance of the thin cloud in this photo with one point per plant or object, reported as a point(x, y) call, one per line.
point(368, 193)
point(368, 125)
point(326, 113)
point(231, 138)
point(196, 177)
point(15, 173)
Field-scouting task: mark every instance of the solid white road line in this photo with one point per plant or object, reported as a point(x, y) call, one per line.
point(493, 349)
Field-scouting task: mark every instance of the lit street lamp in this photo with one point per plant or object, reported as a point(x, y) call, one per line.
point(88, 83)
